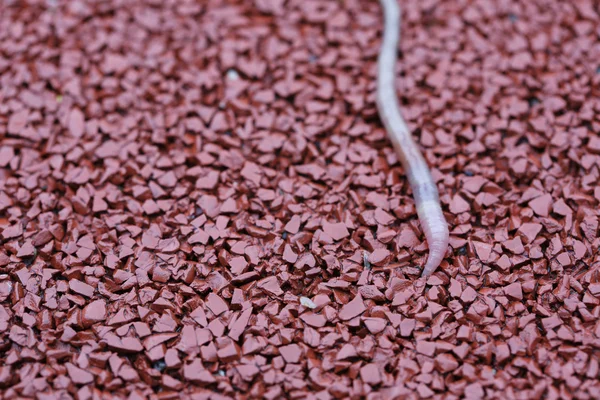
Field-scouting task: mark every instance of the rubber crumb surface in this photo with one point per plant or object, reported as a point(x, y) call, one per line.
point(198, 201)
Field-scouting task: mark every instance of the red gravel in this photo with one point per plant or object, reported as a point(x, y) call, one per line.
point(197, 200)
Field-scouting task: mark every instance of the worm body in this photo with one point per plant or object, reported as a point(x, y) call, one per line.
point(425, 192)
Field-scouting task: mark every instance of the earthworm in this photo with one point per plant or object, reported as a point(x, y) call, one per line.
point(425, 192)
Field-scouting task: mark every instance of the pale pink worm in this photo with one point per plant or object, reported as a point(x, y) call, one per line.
point(425, 191)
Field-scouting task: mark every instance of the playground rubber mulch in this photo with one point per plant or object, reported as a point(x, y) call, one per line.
point(198, 201)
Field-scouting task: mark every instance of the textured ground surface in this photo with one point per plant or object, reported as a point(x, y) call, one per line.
point(176, 176)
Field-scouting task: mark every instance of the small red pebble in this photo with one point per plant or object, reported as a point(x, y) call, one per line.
point(347, 351)
point(78, 375)
point(294, 225)
point(455, 288)
point(370, 374)
point(515, 245)
point(426, 348)
point(379, 257)
point(375, 325)
point(238, 265)
point(216, 304)
point(541, 205)
point(314, 320)
point(459, 205)
point(289, 255)
point(17, 122)
point(594, 288)
point(468, 295)
point(352, 309)
point(76, 123)
point(27, 250)
point(195, 373)
point(530, 230)
point(93, 312)
point(514, 291)
point(564, 259)
point(337, 231)
point(446, 363)
point(483, 250)
point(407, 327)
point(270, 285)
point(561, 208)
point(81, 288)
point(382, 217)
point(291, 353)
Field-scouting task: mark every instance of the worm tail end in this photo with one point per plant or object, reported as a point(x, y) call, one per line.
point(435, 228)
point(425, 191)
